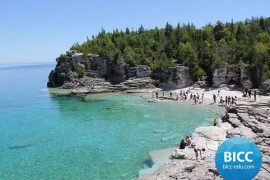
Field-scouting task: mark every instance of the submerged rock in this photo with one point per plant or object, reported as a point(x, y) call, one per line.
point(20, 146)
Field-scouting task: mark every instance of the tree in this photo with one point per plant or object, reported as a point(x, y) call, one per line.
point(218, 31)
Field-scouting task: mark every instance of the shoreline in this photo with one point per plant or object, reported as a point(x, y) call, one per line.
point(245, 118)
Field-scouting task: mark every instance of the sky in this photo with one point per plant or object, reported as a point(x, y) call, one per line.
point(36, 31)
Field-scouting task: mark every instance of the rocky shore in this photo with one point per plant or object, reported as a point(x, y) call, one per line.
point(247, 118)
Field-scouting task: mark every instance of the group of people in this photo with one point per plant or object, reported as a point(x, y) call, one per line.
point(248, 93)
point(196, 97)
point(188, 143)
point(183, 95)
point(227, 101)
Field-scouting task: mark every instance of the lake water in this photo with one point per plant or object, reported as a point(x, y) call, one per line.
point(107, 136)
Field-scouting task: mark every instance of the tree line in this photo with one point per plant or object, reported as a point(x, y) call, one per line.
point(201, 49)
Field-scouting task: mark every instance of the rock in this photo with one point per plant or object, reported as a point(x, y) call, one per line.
point(140, 83)
point(235, 132)
point(118, 73)
point(142, 71)
point(175, 78)
point(231, 75)
point(247, 84)
point(189, 168)
point(68, 85)
point(77, 58)
point(20, 146)
point(235, 122)
point(250, 122)
point(97, 66)
point(266, 87)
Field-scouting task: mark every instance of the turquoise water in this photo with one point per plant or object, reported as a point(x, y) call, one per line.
point(107, 136)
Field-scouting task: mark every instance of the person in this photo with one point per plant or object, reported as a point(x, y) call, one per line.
point(215, 123)
point(182, 144)
point(170, 94)
point(197, 151)
point(214, 98)
point(195, 99)
point(202, 97)
point(255, 95)
point(249, 93)
point(226, 100)
point(232, 100)
point(218, 93)
point(229, 100)
point(156, 94)
point(185, 97)
point(221, 100)
point(188, 140)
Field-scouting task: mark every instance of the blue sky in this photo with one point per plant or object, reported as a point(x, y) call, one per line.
point(35, 31)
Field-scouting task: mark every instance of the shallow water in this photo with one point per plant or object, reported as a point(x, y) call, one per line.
point(103, 136)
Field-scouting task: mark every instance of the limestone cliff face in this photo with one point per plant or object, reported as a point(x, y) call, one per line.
point(78, 69)
point(239, 75)
point(175, 78)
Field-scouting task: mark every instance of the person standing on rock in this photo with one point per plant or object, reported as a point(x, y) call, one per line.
point(249, 93)
point(202, 97)
point(214, 98)
point(229, 100)
point(255, 95)
point(232, 100)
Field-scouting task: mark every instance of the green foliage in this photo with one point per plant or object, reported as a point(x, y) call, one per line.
point(80, 70)
point(62, 60)
point(201, 49)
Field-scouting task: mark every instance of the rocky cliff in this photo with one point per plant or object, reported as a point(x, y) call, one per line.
point(231, 74)
point(79, 70)
point(175, 78)
point(241, 75)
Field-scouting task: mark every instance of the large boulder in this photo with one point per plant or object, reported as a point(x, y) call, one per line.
point(175, 78)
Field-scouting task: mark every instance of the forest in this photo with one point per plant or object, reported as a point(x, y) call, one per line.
point(201, 49)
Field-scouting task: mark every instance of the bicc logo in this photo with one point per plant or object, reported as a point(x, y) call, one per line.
point(238, 159)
